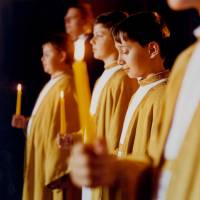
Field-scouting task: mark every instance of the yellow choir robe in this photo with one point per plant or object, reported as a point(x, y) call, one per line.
point(185, 186)
point(111, 110)
point(44, 161)
point(144, 119)
point(139, 132)
point(112, 106)
point(162, 128)
point(185, 169)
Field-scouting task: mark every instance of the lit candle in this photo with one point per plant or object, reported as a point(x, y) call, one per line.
point(19, 99)
point(83, 91)
point(63, 125)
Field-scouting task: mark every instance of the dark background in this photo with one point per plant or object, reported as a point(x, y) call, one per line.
point(23, 26)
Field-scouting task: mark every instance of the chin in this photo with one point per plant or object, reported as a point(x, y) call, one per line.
point(96, 56)
point(46, 70)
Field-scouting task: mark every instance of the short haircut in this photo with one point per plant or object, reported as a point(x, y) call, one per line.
point(110, 19)
point(61, 42)
point(143, 27)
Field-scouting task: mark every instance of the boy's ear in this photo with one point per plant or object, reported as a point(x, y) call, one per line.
point(153, 49)
point(63, 56)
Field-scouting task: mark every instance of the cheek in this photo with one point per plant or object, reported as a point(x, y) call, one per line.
point(100, 43)
point(100, 47)
point(50, 62)
point(73, 24)
point(140, 57)
point(129, 59)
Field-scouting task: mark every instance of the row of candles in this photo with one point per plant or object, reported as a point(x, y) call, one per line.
point(83, 96)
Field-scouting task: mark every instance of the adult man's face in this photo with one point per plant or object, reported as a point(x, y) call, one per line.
point(74, 22)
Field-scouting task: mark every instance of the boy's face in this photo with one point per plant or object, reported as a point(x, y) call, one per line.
point(74, 22)
point(102, 42)
point(51, 59)
point(134, 58)
point(184, 4)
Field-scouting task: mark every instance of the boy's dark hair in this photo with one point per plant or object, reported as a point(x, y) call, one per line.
point(143, 27)
point(58, 40)
point(61, 42)
point(110, 19)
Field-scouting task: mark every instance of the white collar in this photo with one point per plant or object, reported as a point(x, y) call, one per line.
point(196, 32)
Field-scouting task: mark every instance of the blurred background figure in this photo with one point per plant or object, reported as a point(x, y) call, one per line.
point(78, 24)
point(45, 163)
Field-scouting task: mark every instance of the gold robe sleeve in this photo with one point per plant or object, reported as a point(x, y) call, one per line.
point(136, 158)
point(185, 171)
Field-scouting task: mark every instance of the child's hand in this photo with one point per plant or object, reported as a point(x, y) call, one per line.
point(65, 141)
point(19, 121)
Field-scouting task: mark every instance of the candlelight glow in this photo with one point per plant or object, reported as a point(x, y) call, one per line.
point(19, 99)
point(62, 94)
point(79, 49)
point(63, 124)
point(19, 87)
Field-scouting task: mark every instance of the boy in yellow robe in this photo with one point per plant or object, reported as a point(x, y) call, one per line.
point(142, 50)
point(180, 169)
point(44, 161)
point(113, 90)
point(78, 23)
point(174, 149)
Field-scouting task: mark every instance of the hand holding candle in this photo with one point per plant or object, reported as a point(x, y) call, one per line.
point(63, 125)
point(19, 99)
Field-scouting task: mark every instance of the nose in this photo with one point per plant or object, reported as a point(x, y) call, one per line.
point(120, 61)
point(92, 40)
point(42, 59)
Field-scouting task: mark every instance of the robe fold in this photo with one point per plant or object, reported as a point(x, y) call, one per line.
point(137, 139)
point(112, 106)
point(111, 109)
point(158, 140)
point(185, 169)
point(143, 120)
point(44, 161)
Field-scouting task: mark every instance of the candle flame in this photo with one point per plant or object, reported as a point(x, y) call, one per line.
point(62, 94)
point(19, 87)
point(79, 49)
